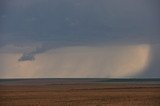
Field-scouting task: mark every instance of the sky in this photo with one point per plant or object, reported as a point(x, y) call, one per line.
point(79, 39)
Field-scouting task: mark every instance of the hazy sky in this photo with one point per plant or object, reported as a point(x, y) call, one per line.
point(79, 38)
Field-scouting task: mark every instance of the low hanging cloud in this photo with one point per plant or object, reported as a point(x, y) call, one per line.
point(30, 56)
point(27, 57)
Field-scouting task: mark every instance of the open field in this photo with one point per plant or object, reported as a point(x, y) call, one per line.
point(80, 95)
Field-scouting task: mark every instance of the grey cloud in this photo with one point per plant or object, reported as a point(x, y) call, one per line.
point(27, 57)
point(60, 23)
point(73, 19)
point(31, 55)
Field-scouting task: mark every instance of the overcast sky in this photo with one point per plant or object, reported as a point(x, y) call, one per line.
point(79, 38)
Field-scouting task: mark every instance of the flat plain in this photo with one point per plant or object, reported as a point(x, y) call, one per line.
point(94, 94)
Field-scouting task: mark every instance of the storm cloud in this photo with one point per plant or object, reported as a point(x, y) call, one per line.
point(35, 27)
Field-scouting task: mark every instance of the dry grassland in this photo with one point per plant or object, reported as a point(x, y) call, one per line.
point(80, 95)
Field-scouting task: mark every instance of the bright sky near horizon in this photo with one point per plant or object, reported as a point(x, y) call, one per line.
point(79, 38)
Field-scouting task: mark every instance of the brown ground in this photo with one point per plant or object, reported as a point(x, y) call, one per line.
point(80, 95)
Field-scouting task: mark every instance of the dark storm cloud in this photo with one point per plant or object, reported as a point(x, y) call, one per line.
point(31, 55)
point(27, 57)
point(59, 23)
